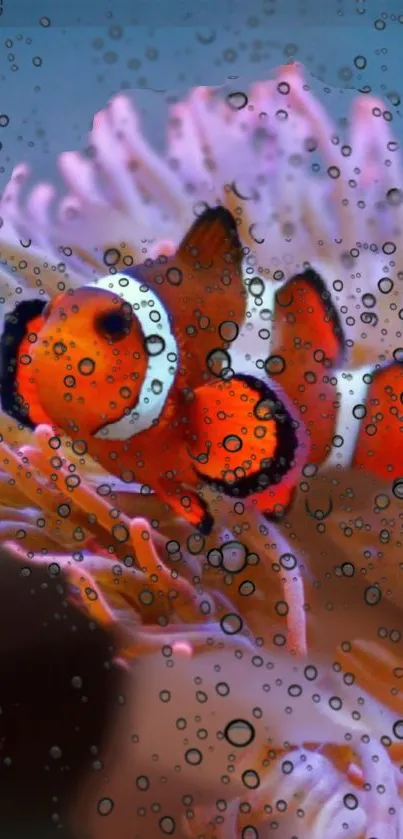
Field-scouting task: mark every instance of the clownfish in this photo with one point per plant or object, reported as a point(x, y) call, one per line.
point(136, 368)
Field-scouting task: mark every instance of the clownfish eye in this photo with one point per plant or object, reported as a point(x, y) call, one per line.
point(113, 325)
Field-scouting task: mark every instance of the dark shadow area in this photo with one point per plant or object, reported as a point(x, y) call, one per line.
point(58, 688)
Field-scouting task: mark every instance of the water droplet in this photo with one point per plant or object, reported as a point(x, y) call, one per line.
point(240, 733)
point(105, 806)
point(237, 100)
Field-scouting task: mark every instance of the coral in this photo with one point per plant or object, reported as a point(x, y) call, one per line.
point(258, 155)
point(250, 588)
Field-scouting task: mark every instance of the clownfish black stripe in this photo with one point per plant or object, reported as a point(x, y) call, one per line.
point(271, 470)
point(16, 325)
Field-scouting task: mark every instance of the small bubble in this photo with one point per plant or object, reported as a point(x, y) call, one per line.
point(288, 561)
point(222, 688)
point(247, 588)
point(275, 365)
point(4, 120)
point(110, 57)
point(194, 757)
point(44, 21)
point(120, 533)
point(79, 447)
point(59, 348)
point(372, 595)
point(283, 88)
point(369, 318)
point(256, 287)
point(394, 197)
point(64, 510)
point(172, 546)
point(55, 752)
point(398, 354)
point(86, 366)
point(142, 783)
point(397, 488)
point(232, 443)
point(37, 61)
point(368, 300)
point(105, 806)
point(229, 55)
point(174, 276)
point(233, 557)
point(382, 501)
point(228, 331)
point(251, 779)
point(111, 257)
point(385, 285)
point(206, 37)
point(165, 695)
point(154, 345)
point(231, 623)
point(115, 32)
point(167, 825)
point(134, 63)
point(237, 100)
point(146, 598)
point(398, 729)
point(310, 672)
point(350, 801)
point(239, 733)
point(295, 691)
point(219, 362)
point(360, 62)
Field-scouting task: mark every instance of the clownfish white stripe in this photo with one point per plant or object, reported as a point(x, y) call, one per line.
point(353, 391)
point(163, 355)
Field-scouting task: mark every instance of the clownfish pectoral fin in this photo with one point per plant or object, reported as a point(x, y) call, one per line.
point(379, 432)
point(17, 386)
point(307, 347)
point(245, 441)
point(203, 289)
point(187, 504)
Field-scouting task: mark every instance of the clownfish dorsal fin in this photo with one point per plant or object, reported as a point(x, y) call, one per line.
point(379, 420)
point(305, 315)
point(212, 238)
point(307, 349)
point(203, 290)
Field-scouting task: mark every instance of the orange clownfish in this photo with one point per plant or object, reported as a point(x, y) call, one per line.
point(135, 367)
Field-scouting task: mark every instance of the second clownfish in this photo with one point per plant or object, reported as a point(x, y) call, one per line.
point(135, 368)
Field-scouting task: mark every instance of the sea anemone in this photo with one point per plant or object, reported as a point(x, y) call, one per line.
point(295, 599)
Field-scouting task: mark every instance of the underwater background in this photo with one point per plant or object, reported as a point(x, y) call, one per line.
point(60, 63)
